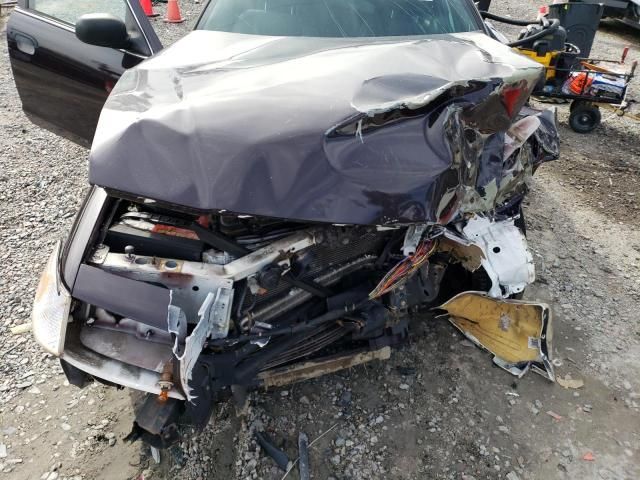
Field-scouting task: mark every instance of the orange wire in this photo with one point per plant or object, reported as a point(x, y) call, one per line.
point(403, 269)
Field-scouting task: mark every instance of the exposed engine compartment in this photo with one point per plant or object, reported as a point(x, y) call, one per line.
point(274, 275)
point(196, 307)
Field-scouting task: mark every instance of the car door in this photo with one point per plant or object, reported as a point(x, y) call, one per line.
point(63, 82)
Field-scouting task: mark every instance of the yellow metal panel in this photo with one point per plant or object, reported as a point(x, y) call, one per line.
point(545, 60)
point(515, 331)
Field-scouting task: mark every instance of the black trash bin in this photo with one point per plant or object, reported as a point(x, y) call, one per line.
point(483, 5)
point(580, 20)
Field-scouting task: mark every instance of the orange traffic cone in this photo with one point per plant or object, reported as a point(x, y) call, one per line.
point(147, 8)
point(173, 12)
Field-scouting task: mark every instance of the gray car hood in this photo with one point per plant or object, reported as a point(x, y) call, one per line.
point(364, 131)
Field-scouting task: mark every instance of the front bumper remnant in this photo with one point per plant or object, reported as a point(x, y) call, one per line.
point(518, 333)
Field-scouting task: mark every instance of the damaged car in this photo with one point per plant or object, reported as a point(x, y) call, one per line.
point(276, 193)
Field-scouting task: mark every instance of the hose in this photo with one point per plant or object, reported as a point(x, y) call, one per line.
point(510, 21)
point(554, 24)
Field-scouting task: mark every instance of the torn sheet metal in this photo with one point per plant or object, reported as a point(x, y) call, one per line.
point(412, 239)
point(339, 130)
point(463, 251)
point(506, 256)
point(519, 133)
point(177, 326)
point(214, 317)
point(516, 332)
point(217, 310)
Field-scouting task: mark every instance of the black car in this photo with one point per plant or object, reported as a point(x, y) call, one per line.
point(628, 11)
point(274, 195)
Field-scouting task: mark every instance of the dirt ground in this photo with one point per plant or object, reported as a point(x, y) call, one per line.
point(438, 409)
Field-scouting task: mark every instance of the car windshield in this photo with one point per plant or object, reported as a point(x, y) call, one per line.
point(340, 18)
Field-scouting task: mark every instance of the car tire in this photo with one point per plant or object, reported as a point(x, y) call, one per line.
point(584, 117)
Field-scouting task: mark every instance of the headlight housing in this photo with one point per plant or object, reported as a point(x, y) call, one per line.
point(51, 307)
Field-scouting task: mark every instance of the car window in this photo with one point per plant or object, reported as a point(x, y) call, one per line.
point(68, 11)
point(340, 18)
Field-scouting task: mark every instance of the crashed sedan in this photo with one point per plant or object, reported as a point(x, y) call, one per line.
point(274, 194)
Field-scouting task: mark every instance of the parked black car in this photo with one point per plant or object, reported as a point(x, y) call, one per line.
point(274, 194)
point(628, 11)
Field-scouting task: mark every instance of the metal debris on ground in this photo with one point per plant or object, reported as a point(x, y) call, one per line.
point(293, 464)
point(303, 456)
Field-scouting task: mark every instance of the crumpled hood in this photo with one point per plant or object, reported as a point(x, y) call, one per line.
point(317, 129)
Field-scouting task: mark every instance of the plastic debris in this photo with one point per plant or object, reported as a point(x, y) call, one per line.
point(554, 415)
point(589, 457)
point(155, 453)
point(568, 382)
point(274, 452)
point(19, 329)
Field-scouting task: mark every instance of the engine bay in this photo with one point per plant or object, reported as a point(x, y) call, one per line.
point(193, 308)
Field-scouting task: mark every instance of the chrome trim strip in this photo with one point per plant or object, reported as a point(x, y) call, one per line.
point(46, 19)
point(144, 35)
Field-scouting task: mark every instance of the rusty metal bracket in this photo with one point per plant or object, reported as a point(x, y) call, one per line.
point(317, 368)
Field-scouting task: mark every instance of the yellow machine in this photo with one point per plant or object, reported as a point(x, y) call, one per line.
point(548, 59)
point(585, 82)
point(571, 78)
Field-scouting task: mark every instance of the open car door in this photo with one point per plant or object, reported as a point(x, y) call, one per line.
point(63, 82)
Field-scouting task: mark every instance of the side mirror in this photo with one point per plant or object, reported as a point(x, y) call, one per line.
point(103, 30)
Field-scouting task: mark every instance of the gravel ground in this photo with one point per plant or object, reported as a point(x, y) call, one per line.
point(437, 409)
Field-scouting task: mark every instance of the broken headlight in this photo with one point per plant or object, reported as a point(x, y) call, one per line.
point(51, 307)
